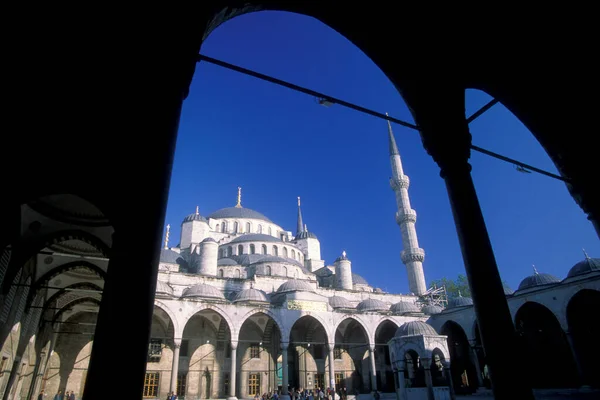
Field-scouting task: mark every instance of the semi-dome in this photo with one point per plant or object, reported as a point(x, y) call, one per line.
point(459, 302)
point(255, 237)
point(339, 302)
point(238, 212)
point(372, 305)
point(305, 235)
point(404, 307)
point(431, 309)
point(194, 217)
point(537, 280)
point(204, 291)
point(250, 295)
point(413, 328)
point(169, 256)
point(295, 285)
point(163, 288)
point(209, 240)
point(358, 280)
point(583, 267)
point(223, 262)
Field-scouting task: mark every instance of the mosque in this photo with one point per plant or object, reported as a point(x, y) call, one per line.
point(245, 307)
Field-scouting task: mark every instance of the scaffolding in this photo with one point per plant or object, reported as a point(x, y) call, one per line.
point(435, 296)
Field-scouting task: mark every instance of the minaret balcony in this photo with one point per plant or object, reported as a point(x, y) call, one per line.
point(400, 183)
point(405, 216)
point(412, 254)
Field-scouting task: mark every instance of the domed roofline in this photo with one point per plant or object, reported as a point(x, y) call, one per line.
point(414, 328)
point(586, 266)
point(255, 237)
point(537, 280)
point(238, 212)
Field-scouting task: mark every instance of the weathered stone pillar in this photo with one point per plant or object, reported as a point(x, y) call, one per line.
point(233, 372)
point(14, 371)
point(373, 368)
point(580, 372)
point(175, 366)
point(401, 391)
point(426, 363)
point(331, 346)
point(445, 134)
point(448, 376)
point(284, 373)
point(38, 373)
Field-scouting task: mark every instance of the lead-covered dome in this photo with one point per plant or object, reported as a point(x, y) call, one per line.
point(194, 217)
point(238, 212)
point(358, 280)
point(223, 262)
point(459, 302)
point(250, 296)
point(537, 280)
point(294, 285)
point(431, 309)
point(583, 267)
point(507, 290)
point(169, 256)
point(305, 235)
point(372, 305)
point(163, 288)
point(413, 328)
point(204, 291)
point(404, 307)
point(255, 237)
point(339, 302)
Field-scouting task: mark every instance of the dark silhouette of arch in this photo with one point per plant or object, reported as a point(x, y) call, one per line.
point(438, 377)
point(385, 375)
point(414, 373)
point(308, 337)
point(544, 348)
point(354, 343)
point(585, 331)
point(464, 375)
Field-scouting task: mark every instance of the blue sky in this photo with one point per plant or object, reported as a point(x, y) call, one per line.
point(278, 144)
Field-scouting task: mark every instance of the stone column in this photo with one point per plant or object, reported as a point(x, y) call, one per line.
point(232, 373)
point(331, 346)
point(38, 373)
point(475, 361)
point(175, 367)
point(426, 363)
point(580, 372)
point(448, 376)
point(446, 137)
point(12, 377)
point(373, 368)
point(401, 391)
point(284, 373)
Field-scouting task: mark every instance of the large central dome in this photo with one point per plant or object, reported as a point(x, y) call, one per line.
point(238, 212)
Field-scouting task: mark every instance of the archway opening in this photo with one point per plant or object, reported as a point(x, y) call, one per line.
point(464, 376)
point(544, 347)
point(584, 332)
point(438, 377)
point(308, 354)
point(414, 372)
point(385, 375)
point(352, 356)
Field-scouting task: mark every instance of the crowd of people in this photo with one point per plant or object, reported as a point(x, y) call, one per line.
point(69, 395)
point(311, 394)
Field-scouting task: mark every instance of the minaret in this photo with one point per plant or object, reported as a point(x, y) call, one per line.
point(167, 236)
point(412, 255)
point(299, 225)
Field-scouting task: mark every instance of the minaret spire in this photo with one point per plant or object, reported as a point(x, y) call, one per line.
point(412, 255)
point(167, 236)
point(239, 198)
point(300, 225)
point(585, 254)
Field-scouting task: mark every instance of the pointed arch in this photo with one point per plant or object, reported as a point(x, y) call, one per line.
point(361, 323)
point(172, 316)
point(212, 307)
point(268, 313)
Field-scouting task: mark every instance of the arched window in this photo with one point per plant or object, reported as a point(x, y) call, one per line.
point(218, 227)
point(275, 251)
point(220, 273)
point(268, 270)
point(293, 254)
point(240, 250)
point(238, 274)
point(270, 232)
point(285, 253)
point(236, 226)
point(229, 251)
point(224, 227)
point(252, 249)
point(248, 227)
point(264, 249)
point(285, 271)
point(259, 228)
point(222, 253)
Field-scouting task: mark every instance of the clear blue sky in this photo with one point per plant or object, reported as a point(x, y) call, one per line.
point(278, 144)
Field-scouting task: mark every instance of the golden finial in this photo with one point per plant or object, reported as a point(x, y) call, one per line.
point(239, 198)
point(167, 236)
point(298, 201)
point(197, 210)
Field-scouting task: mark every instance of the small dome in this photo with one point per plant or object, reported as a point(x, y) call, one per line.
point(305, 235)
point(372, 305)
point(194, 217)
point(359, 280)
point(432, 309)
point(255, 237)
point(169, 256)
point(251, 295)
point(413, 328)
point(339, 302)
point(204, 291)
point(238, 212)
point(295, 285)
point(377, 290)
point(459, 302)
point(507, 290)
point(163, 288)
point(209, 240)
point(536, 280)
point(583, 267)
point(226, 261)
point(404, 307)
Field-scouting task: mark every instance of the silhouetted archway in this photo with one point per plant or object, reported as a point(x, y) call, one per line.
point(585, 332)
point(385, 376)
point(307, 353)
point(544, 348)
point(464, 375)
point(352, 345)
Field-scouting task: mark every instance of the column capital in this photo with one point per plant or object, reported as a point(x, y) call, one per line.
point(331, 346)
point(285, 345)
point(177, 342)
point(233, 344)
point(372, 347)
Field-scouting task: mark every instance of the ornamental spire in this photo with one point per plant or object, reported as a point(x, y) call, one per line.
point(167, 236)
point(391, 139)
point(299, 225)
point(197, 210)
point(535, 271)
point(239, 198)
point(585, 254)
